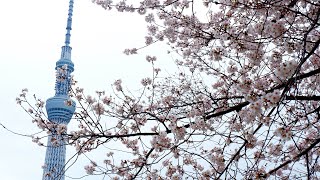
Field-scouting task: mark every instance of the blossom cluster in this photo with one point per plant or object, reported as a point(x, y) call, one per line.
point(243, 103)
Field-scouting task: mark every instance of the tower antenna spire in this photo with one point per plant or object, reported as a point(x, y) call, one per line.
point(66, 49)
point(69, 23)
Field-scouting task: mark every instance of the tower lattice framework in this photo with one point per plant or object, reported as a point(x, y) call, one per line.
point(60, 109)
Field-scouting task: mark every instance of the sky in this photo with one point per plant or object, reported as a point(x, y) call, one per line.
point(31, 35)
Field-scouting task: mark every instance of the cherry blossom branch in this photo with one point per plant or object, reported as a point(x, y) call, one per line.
point(303, 98)
point(117, 136)
point(305, 151)
point(146, 158)
point(241, 105)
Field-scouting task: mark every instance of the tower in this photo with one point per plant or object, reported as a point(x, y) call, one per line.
point(60, 109)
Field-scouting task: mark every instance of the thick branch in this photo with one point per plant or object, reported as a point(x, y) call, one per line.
point(147, 156)
point(303, 98)
point(295, 158)
point(118, 135)
point(296, 78)
point(241, 105)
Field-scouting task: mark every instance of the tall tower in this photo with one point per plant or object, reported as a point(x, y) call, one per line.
point(60, 109)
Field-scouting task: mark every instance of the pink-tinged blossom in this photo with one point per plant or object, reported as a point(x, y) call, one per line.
point(61, 129)
point(117, 84)
point(130, 51)
point(284, 132)
point(35, 139)
point(285, 70)
point(149, 18)
point(54, 142)
point(107, 100)
point(151, 58)
point(243, 103)
point(89, 169)
point(152, 29)
point(217, 54)
point(98, 108)
point(68, 102)
point(275, 149)
point(146, 81)
point(30, 111)
point(157, 70)
point(18, 100)
point(90, 99)
point(40, 104)
point(79, 97)
point(149, 40)
point(161, 142)
point(79, 90)
point(142, 11)
point(273, 97)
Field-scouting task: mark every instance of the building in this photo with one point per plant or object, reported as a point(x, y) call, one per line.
point(60, 109)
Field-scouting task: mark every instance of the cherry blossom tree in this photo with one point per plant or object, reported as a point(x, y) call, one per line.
point(243, 104)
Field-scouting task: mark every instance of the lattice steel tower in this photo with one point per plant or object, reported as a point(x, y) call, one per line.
point(60, 109)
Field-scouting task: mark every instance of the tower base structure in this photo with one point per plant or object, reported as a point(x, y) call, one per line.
point(60, 113)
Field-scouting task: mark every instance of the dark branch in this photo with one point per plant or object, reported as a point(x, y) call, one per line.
point(303, 98)
point(295, 158)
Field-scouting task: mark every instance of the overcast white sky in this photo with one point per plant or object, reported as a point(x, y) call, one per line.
point(31, 35)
